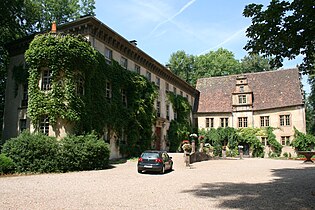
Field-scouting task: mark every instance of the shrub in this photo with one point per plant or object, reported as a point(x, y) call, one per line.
point(83, 153)
point(32, 152)
point(286, 155)
point(7, 165)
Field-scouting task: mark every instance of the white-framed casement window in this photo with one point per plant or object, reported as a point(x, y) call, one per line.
point(209, 122)
point(44, 125)
point(124, 62)
point(285, 120)
point(108, 91)
point(124, 97)
point(242, 99)
point(167, 87)
point(242, 122)
point(158, 108)
point(285, 140)
point(108, 55)
point(264, 121)
point(137, 68)
point(46, 79)
point(148, 75)
point(22, 125)
point(224, 122)
point(264, 141)
point(167, 111)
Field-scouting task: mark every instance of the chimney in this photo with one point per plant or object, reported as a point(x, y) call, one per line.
point(54, 27)
point(133, 42)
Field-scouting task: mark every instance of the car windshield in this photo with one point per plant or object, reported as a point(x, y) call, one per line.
point(150, 155)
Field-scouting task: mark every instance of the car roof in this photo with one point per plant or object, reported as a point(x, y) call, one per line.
point(153, 151)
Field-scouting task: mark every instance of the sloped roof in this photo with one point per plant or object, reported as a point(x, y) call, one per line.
point(271, 89)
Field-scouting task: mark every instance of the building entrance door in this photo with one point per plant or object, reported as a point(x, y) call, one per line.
point(158, 138)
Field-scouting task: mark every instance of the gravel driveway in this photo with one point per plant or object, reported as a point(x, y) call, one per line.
point(213, 184)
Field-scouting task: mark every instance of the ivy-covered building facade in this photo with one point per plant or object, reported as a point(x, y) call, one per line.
point(52, 99)
point(254, 100)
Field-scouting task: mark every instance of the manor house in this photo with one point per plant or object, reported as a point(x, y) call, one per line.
point(271, 98)
point(114, 47)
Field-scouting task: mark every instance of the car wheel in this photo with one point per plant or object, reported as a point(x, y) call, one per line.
point(171, 168)
point(139, 171)
point(163, 170)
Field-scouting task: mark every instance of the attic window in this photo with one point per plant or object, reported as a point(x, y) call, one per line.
point(242, 89)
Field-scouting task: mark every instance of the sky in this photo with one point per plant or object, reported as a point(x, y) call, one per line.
point(162, 27)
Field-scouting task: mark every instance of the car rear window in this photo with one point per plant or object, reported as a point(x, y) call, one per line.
point(150, 155)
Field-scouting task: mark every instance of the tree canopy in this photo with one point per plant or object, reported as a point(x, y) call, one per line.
point(284, 29)
point(215, 63)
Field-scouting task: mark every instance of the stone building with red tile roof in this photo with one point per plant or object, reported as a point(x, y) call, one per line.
point(272, 98)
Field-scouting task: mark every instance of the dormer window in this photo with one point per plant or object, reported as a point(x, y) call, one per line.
point(242, 89)
point(242, 99)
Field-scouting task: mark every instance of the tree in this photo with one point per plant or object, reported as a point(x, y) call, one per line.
point(217, 63)
point(283, 30)
point(255, 63)
point(182, 65)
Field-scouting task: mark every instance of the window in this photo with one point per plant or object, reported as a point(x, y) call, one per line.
point(224, 122)
point(209, 123)
point(264, 121)
point(108, 91)
point(242, 122)
point(46, 79)
point(25, 96)
point(181, 93)
point(79, 86)
point(148, 75)
point(285, 140)
point(174, 90)
point(137, 68)
point(124, 97)
point(167, 87)
point(124, 62)
point(44, 125)
point(264, 141)
point(22, 125)
point(242, 99)
point(285, 120)
point(242, 89)
point(158, 81)
point(108, 55)
point(168, 112)
point(158, 108)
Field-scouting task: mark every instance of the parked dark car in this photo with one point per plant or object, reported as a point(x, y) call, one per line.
point(158, 161)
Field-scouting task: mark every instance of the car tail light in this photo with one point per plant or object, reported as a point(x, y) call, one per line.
point(140, 159)
point(158, 160)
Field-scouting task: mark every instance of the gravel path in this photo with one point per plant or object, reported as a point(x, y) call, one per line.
point(213, 184)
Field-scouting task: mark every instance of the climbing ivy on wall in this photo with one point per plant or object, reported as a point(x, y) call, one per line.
point(70, 57)
point(180, 127)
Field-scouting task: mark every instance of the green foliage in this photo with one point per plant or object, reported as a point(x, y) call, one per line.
point(67, 57)
point(249, 136)
point(180, 127)
point(255, 63)
point(7, 165)
point(71, 57)
point(78, 153)
point(277, 147)
point(283, 29)
point(303, 142)
point(39, 153)
point(33, 152)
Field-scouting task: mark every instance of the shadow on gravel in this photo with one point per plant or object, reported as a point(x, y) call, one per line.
point(292, 189)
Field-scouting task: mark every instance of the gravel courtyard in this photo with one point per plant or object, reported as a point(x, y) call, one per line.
point(214, 184)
